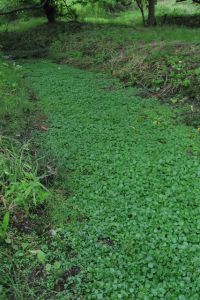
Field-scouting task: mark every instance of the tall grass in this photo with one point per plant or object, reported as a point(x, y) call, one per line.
point(13, 97)
point(96, 13)
point(171, 7)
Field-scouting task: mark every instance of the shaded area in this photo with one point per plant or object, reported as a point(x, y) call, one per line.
point(189, 21)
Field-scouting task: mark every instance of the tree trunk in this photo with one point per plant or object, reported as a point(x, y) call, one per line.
point(50, 12)
point(140, 4)
point(143, 17)
point(151, 13)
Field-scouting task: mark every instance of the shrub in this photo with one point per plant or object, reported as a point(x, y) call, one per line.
point(20, 186)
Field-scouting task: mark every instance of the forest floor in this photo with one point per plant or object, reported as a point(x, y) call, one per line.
point(162, 61)
point(101, 180)
point(132, 174)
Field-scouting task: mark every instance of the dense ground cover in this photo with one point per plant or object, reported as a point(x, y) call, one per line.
point(102, 202)
point(26, 204)
point(132, 215)
point(162, 61)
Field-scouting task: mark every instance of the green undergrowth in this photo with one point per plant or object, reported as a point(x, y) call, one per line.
point(14, 105)
point(163, 61)
point(20, 186)
point(134, 177)
point(167, 12)
point(184, 13)
point(33, 256)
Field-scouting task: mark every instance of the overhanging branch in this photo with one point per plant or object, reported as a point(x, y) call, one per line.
point(195, 1)
point(13, 11)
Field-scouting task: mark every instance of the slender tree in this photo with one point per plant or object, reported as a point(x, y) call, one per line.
point(141, 5)
point(150, 5)
point(151, 13)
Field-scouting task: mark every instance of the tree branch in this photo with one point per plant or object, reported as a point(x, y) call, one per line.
point(195, 1)
point(23, 9)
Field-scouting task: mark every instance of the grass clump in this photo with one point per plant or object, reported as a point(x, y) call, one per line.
point(169, 72)
point(20, 186)
point(14, 104)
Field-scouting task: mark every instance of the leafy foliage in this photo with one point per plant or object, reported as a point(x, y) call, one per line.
point(122, 221)
point(51, 8)
point(135, 177)
point(20, 186)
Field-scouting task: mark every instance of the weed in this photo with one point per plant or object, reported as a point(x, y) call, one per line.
point(20, 186)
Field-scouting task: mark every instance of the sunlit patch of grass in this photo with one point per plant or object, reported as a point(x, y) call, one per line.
point(97, 15)
point(171, 7)
point(132, 17)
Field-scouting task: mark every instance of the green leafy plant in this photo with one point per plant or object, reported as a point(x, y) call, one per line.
point(128, 222)
point(20, 185)
point(134, 174)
